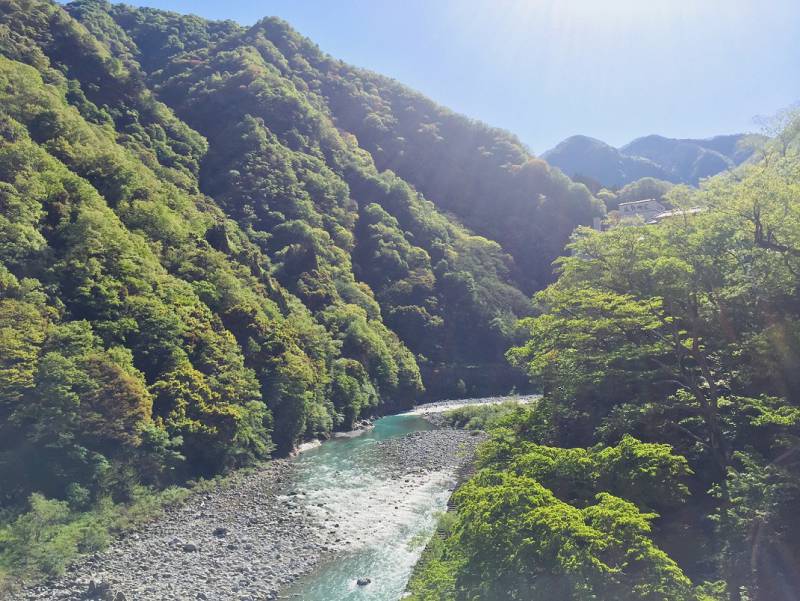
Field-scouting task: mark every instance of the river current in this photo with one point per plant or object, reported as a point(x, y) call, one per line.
point(386, 509)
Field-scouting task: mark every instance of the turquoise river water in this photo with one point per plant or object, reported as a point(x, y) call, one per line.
point(359, 495)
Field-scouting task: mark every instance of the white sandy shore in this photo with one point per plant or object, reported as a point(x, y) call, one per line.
point(442, 406)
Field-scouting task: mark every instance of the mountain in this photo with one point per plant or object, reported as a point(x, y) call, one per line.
point(680, 161)
point(589, 157)
point(216, 241)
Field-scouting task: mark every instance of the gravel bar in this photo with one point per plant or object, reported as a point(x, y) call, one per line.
point(245, 540)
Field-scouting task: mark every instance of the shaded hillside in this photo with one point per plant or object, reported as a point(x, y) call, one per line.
point(674, 160)
point(204, 258)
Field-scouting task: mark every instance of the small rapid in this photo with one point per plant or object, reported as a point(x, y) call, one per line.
point(362, 505)
point(377, 497)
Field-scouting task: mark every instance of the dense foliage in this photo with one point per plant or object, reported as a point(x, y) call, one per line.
point(539, 523)
point(216, 241)
point(662, 461)
point(645, 188)
point(204, 258)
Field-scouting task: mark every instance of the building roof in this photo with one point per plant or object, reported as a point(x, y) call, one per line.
point(676, 212)
point(638, 202)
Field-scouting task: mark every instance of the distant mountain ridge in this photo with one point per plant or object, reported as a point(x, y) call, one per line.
point(681, 161)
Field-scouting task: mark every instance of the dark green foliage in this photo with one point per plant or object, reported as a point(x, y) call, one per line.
point(461, 164)
point(216, 241)
point(201, 265)
point(305, 193)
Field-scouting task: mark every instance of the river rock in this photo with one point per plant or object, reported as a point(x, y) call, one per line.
point(275, 544)
point(99, 590)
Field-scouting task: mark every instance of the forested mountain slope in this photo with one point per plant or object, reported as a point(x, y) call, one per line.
point(588, 157)
point(482, 175)
point(680, 161)
point(215, 241)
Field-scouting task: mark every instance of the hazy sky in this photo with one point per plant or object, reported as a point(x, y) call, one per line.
point(547, 69)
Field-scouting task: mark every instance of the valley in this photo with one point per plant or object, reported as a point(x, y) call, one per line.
point(307, 527)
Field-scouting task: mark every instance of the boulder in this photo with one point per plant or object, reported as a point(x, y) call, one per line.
point(99, 590)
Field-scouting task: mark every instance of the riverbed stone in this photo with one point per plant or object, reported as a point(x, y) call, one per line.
point(272, 544)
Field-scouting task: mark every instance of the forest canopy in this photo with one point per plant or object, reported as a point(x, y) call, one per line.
point(662, 460)
point(205, 258)
point(217, 241)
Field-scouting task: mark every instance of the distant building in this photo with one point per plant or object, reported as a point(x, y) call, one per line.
point(647, 209)
point(641, 212)
point(676, 213)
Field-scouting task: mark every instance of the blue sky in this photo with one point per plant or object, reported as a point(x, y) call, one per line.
point(547, 69)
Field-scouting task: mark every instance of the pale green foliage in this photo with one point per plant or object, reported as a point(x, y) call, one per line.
point(521, 541)
point(688, 332)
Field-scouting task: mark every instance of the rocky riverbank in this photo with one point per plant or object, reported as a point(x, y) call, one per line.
point(251, 537)
point(240, 541)
point(427, 409)
point(434, 412)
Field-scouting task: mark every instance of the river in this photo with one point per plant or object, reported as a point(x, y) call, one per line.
point(358, 506)
point(385, 504)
